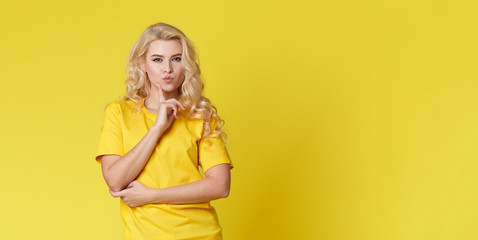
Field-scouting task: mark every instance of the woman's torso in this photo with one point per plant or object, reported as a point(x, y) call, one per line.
point(174, 161)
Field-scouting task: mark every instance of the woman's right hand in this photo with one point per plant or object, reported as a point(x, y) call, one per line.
point(167, 110)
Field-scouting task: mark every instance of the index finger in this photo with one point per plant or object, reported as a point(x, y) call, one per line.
point(161, 95)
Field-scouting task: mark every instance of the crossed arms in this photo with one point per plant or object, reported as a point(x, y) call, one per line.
point(120, 173)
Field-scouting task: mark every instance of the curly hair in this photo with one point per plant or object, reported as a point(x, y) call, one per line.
point(191, 96)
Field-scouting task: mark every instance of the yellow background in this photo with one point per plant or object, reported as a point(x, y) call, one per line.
point(346, 119)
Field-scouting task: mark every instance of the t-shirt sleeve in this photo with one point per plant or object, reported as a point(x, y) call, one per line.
point(111, 139)
point(213, 152)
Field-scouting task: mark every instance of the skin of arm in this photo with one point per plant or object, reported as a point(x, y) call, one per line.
point(215, 185)
point(119, 171)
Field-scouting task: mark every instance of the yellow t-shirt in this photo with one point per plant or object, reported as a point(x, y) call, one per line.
point(174, 161)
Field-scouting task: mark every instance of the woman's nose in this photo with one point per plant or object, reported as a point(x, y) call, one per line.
point(167, 67)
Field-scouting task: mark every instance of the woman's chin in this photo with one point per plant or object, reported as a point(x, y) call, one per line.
point(169, 89)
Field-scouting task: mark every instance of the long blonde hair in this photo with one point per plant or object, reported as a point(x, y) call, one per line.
point(138, 86)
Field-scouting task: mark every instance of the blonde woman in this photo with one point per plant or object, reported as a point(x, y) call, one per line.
point(155, 143)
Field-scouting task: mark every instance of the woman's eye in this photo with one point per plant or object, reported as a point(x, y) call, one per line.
point(157, 60)
point(178, 59)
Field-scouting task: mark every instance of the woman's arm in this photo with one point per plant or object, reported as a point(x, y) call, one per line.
point(119, 171)
point(215, 185)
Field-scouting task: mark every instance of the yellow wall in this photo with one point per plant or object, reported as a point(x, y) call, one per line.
point(346, 119)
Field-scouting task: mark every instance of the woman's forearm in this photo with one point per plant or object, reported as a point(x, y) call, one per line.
point(203, 190)
point(120, 171)
point(215, 185)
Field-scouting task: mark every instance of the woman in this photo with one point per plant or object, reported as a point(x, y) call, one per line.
point(154, 143)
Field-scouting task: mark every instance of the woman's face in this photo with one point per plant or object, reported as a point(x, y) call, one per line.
point(163, 65)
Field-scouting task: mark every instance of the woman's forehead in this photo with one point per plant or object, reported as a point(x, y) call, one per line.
point(165, 47)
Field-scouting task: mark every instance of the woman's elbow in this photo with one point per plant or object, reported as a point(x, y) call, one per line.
point(114, 184)
point(218, 189)
point(224, 189)
point(220, 179)
point(115, 188)
point(224, 192)
point(112, 178)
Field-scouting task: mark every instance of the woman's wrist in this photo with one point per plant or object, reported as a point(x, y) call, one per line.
point(155, 196)
point(158, 128)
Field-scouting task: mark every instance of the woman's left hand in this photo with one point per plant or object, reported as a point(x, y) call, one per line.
point(134, 195)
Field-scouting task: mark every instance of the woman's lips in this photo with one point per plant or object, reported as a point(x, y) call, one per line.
point(168, 79)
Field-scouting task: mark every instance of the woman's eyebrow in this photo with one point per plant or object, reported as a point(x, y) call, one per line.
point(157, 55)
